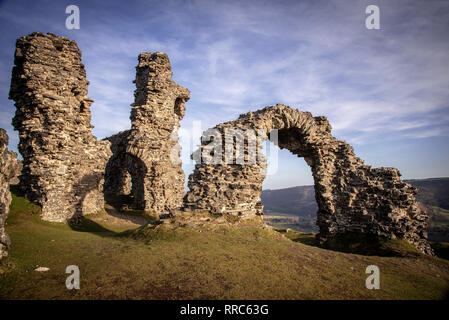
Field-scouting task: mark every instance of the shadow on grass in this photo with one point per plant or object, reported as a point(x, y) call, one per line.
point(78, 221)
point(119, 201)
point(371, 245)
point(122, 208)
point(20, 205)
point(308, 239)
point(15, 189)
point(83, 224)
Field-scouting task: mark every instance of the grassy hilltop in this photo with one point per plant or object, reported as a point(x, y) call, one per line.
point(118, 259)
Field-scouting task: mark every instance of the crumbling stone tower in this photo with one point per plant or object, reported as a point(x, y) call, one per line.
point(149, 153)
point(63, 163)
point(352, 197)
point(9, 168)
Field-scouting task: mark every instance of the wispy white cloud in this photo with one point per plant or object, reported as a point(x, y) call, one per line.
point(235, 56)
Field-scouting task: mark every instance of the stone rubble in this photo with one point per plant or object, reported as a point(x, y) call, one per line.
point(42, 269)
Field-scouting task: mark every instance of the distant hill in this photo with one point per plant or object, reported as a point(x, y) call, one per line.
point(432, 192)
point(293, 208)
point(281, 204)
point(298, 201)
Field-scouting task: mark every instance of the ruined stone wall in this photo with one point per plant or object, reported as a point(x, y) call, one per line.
point(152, 149)
point(9, 167)
point(63, 163)
point(15, 180)
point(351, 196)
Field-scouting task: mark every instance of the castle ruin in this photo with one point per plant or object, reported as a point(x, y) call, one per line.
point(148, 155)
point(63, 163)
point(64, 166)
point(67, 171)
point(352, 197)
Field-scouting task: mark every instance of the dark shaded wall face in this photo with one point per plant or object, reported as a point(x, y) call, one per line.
point(138, 172)
point(117, 180)
point(125, 173)
point(117, 169)
point(144, 153)
point(9, 169)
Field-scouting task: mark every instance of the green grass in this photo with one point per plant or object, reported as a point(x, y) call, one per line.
point(371, 245)
point(227, 263)
point(20, 205)
point(298, 236)
point(123, 204)
point(357, 244)
point(440, 217)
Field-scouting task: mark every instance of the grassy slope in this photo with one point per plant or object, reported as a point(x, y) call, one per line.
point(439, 217)
point(244, 263)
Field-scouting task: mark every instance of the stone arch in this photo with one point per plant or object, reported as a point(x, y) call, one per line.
point(352, 197)
point(146, 151)
point(125, 173)
point(138, 171)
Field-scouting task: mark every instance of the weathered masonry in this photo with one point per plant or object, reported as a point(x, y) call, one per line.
point(9, 168)
point(148, 156)
point(63, 163)
point(64, 166)
point(351, 196)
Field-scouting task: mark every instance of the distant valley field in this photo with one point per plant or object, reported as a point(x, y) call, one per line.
point(296, 207)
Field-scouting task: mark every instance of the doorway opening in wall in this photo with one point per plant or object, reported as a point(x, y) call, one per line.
point(288, 192)
point(118, 189)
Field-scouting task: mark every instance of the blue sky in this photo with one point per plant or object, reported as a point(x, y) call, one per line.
point(386, 91)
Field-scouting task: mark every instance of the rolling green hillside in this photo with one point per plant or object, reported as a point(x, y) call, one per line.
point(119, 259)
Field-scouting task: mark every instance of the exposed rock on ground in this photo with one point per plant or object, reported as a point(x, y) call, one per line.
point(9, 168)
point(352, 197)
point(205, 220)
point(63, 163)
